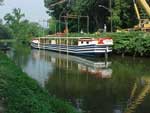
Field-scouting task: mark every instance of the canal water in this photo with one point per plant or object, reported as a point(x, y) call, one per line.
point(92, 85)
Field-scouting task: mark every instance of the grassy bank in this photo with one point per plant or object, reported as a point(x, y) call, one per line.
point(21, 94)
point(127, 43)
point(7, 40)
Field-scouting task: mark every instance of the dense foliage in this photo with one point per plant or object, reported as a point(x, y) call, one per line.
point(18, 27)
point(5, 32)
point(123, 12)
point(136, 44)
point(53, 26)
point(21, 94)
point(131, 43)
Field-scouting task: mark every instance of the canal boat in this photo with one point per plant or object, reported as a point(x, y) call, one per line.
point(74, 45)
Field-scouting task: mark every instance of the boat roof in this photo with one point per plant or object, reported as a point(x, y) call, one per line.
point(64, 38)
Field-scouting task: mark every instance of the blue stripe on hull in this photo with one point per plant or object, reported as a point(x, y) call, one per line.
point(87, 50)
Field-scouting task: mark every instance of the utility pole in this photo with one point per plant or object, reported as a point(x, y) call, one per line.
point(111, 13)
point(110, 7)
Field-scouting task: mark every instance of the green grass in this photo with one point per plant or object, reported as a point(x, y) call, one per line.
point(23, 95)
point(7, 40)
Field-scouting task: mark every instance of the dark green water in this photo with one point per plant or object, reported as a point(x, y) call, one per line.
point(119, 85)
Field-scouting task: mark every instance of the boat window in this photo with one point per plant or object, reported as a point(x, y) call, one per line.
point(87, 42)
point(81, 42)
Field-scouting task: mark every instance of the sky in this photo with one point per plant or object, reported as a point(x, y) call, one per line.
point(34, 10)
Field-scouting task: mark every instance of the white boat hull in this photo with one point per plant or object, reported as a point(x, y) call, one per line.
point(75, 49)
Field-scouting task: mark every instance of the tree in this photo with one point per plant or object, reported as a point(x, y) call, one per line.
point(29, 29)
point(9, 19)
point(5, 32)
point(98, 16)
point(22, 29)
point(1, 1)
point(35, 30)
point(13, 20)
point(53, 25)
point(123, 12)
point(15, 17)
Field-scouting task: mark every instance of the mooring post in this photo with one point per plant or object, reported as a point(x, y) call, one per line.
point(106, 53)
point(39, 43)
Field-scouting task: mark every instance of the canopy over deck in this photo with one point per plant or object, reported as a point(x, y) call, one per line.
point(64, 37)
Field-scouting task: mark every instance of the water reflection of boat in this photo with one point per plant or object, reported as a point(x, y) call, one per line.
point(98, 72)
point(100, 69)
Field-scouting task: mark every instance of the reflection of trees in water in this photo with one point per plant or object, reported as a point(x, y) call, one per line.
point(20, 54)
point(98, 95)
point(95, 94)
point(137, 69)
point(90, 93)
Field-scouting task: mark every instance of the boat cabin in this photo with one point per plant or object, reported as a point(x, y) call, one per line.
point(86, 41)
point(74, 41)
point(95, 41)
